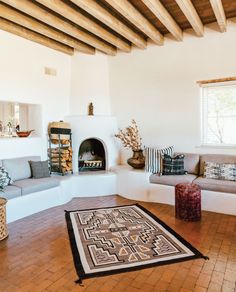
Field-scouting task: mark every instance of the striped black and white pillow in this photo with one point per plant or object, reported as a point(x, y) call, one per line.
point(153, 158)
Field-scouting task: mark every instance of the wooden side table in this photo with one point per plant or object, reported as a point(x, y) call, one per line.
point(3, 221)
point(188, 202)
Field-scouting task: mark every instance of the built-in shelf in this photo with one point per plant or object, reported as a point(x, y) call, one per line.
point(16, 116)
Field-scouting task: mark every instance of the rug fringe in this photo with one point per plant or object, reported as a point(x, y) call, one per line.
point(205, 257)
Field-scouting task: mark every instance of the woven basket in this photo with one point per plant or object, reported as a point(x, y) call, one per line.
point(59, 125)
point(3, 221)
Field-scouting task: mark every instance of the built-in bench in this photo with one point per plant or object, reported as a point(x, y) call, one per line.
point(194, 165)
point(217, 195)
point(27, 195)
point(23, 184)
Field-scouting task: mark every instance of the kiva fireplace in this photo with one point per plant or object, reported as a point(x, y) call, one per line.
point(91, 155)
point(94, 144)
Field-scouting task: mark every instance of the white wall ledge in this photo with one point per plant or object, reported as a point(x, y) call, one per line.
point(209, 146)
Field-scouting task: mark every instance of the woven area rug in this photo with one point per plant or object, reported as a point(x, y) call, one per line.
point(111, 240)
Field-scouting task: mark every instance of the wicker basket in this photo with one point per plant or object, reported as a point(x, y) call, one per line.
point(3, 221)
point(59, 125)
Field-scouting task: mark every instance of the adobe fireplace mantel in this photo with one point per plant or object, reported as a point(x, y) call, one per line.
point(101, 128)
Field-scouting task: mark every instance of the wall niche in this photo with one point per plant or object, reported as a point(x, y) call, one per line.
point(18, 117)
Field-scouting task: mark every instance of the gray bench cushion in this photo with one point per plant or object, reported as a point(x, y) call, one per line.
point(224, 186)
point(19, 168)
point(10, 192)
point(171, 180)
point(36, 185)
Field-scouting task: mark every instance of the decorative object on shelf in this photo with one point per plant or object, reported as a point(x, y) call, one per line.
point(90, 109)
point(137, 161)
point(3, 221)
point(10, 127)
point(60, 147)
point(24, 134)
point(131, 139)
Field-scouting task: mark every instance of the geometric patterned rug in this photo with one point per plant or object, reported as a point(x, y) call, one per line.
point(111, 240)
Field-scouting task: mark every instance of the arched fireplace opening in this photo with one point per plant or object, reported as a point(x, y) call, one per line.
point(92, 155)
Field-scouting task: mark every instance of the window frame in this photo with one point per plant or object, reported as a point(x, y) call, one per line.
point(202, 118)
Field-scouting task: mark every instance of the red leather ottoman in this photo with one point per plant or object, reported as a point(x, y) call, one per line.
point(188, 202)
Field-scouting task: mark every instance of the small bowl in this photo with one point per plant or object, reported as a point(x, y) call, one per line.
point(24, 134)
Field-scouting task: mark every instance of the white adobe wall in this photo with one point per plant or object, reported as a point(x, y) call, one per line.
point(89, 83)
point(157, 86)
point(22, 79)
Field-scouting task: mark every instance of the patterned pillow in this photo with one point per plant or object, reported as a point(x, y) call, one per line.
point(212, 170)
point(5, 179)
point(173, 165)
point(228, 171)
point(153, 158)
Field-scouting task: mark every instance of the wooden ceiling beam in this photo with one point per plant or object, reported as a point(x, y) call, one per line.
point(11, 14)
point(41, 14)
point(191, 14)
point(97, 11)
point(218, 9)
point(33, 36)
point(159, 10)
point(75, 16)
point(125, 8)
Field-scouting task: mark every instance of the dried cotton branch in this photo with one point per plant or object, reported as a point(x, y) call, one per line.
point(130, 137)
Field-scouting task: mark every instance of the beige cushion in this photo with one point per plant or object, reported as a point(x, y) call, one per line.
point(191, 162)
point(224, 186)
point(33, 185)
point(171, 180)
point(217, 158)
point(10, 192)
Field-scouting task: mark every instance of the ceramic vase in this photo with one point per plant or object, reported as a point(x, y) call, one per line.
point(137, 161)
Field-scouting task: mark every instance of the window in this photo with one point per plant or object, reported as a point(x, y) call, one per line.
point(219, 114)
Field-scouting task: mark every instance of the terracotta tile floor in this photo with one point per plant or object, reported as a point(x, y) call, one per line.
point(37, 255)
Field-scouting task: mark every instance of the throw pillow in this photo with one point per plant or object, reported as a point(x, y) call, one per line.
point(5, 179)
point(153, 158)
point(39, 169)
point(173, 165)
point(228, 171)
point(212, 170)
